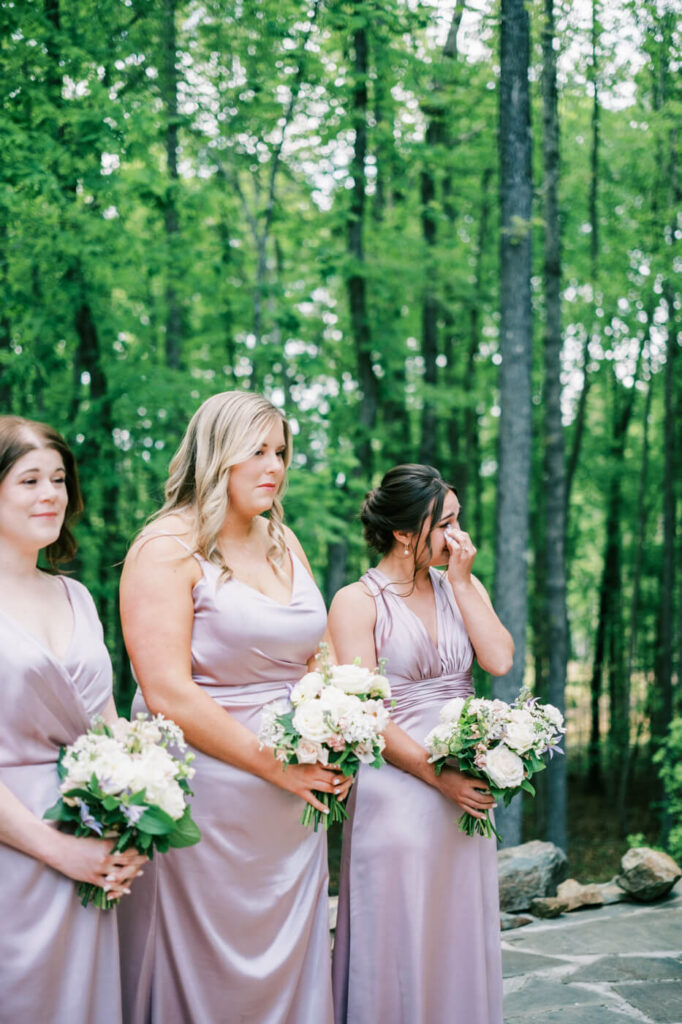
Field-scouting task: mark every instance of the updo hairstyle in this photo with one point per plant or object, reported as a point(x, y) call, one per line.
point(405, 499)
point(18, 437)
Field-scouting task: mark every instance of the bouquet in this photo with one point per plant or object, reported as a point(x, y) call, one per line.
point(500, 743)
point(121, 781)
point(334, 716)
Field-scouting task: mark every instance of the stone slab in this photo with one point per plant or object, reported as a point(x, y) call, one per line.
point(661, 1001)
point(515, 962)
point(539, 996)
point(628, 968)
point(572, 1015)
point(644, 931)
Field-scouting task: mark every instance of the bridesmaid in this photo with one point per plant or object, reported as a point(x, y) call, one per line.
point(221, 615)
point(58, 960)
point(417, 939)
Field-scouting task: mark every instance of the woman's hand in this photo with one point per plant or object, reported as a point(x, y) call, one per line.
point(471, 794)
point(302, 779)
point(91, 860)
point(462, 555)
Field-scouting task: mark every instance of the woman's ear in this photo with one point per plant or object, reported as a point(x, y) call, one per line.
point(403, 538)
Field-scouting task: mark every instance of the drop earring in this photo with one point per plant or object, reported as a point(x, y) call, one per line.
point(407, 550)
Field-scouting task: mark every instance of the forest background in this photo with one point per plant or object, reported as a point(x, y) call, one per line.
point(429, 231)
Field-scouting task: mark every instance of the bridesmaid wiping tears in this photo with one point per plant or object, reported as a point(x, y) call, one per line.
point(58, 960)
point(417, 939)
point(221, 616)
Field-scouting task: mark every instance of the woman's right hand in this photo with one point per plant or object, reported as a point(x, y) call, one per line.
point(91, 860)
point(469, 793)
point(302, 779)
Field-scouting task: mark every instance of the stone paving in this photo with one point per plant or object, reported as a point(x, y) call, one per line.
point(610, 965)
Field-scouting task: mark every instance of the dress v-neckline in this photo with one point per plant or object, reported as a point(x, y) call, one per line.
point(267, 597)
point(434, 643)
point(36, 641)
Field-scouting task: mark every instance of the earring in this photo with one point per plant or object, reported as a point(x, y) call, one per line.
point(407, 550)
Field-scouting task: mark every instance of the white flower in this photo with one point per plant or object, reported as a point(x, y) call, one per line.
point(380, 687)
point(437, 741)
point(365, 752)
point(504, 767)
point(308, 752)
point(554, 716)
point(308, 687)
point(520, 733)
point(352, 678)
point(451, 712)
point(309, 720)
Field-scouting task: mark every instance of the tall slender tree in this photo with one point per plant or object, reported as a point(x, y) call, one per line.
point(555, 468)
point(516, 335)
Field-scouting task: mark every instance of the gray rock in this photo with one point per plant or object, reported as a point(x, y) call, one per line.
point(529, 871)
point(548, 906)
point(509, 921)
point(611, 892)
point(574, 895)
point(647, 874)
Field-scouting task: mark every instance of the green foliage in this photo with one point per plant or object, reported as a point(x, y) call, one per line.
point(669, 759)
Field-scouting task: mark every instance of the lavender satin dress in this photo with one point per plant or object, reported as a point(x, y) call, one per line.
point(235, 930)
point(418, 933)
point(58, 960)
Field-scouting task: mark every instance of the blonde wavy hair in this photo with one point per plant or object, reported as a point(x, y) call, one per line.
point(226, 429)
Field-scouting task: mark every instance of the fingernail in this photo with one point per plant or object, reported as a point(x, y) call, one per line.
point(109, 878)
point(325, 810)
point(337, 782)
point(127, 892)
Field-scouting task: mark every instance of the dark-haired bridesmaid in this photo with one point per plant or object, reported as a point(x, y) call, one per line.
point(417, 938)
point(58, 960)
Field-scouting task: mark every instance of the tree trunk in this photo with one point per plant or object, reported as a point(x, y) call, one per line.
point(623, 773)
point(356, 284)
point(436, 135)
point(169, 93)
point(555, 466)
point(516, 333)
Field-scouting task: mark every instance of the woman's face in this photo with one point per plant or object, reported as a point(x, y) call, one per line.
point(254, 483)
point(440, 554)
point(33, 500)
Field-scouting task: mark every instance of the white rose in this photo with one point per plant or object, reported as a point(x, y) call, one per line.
point(504, 767)
point(380, 687)
point(339, 703)
point(520, 731)
point(308, 687)
point(451, 712)
point(351, 678)
point(309, 721)
point(308, 752)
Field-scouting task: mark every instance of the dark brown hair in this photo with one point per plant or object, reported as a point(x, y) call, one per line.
point(18, 437)
point(406, 497)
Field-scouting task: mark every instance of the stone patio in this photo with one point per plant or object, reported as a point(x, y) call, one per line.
point(610, 965)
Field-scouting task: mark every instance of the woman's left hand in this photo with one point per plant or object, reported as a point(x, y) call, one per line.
point(462, 555)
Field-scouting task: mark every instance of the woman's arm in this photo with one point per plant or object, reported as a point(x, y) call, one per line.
point(157, 614)
point(85, 859)
point(492, 643)
point(352, 618)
